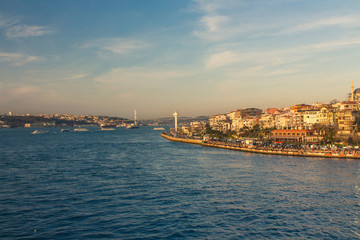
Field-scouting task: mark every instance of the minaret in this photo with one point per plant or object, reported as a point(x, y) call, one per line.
point(352, 91)
point(176, 115)
point(135, 122)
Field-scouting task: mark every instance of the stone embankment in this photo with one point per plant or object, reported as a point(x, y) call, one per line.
point(287, 152)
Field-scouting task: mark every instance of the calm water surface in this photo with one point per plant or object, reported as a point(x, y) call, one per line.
point(133, 184)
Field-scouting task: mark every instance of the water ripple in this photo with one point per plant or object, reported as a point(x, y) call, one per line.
point(136, 185)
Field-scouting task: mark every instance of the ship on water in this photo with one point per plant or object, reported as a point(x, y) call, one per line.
point(107, 126)
point(135, 124)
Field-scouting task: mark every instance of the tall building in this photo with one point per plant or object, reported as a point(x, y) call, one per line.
point(355, 94)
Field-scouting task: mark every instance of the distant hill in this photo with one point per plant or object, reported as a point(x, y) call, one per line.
point(170, 120)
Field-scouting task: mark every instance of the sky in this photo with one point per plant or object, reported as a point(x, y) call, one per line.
point(196, 57)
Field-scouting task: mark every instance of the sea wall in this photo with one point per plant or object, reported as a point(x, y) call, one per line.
point(263, 151)
point(192, 141)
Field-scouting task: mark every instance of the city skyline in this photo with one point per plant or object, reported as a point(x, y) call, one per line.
point(196, 57)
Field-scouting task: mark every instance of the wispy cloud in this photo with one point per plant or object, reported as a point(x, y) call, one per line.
point(240, 58)
point(24, 31)
point(339, 21)
point(75, 76)
point(117, 45)
point(14, 29)
point(18, 58)
point(222, 59)
point(212, 6)
point(7, 21)
point(334, 45)
point(230, 20)
point(213, 23)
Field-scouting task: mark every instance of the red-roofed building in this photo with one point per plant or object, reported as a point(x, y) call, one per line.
point(295, 136)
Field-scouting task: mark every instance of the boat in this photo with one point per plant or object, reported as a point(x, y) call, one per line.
point(107, 125)
point(131, 126)
point(65, 130)
point(159, 128)
point(81, 130)
point(40, 132)
point(135, 124)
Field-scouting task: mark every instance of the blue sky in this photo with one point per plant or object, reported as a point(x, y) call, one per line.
point(197, 57)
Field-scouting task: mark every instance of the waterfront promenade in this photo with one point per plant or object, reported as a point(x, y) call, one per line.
point(304, 152)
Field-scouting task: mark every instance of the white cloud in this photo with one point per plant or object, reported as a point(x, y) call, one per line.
point(117, 45)
point(13, 28)
point(238, 57)
point(213, 6)
point(213, 23)
point(221, 59)
point(333, 45)
point(24, 31)
point(335, 21)
point(18, 58)
point(6, 21)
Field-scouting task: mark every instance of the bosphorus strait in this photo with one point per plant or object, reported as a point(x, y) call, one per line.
point(134, 184)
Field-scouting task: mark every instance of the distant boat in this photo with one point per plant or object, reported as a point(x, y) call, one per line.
point(81, 130)
point(65, 130)
point(107, 125)
point(159, 128)
point(131, 126)
point(40, 132)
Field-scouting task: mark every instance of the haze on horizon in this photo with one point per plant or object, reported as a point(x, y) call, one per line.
point(198, 57)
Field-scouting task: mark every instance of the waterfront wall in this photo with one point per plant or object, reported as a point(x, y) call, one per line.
point(262, 151)
point(184, 140)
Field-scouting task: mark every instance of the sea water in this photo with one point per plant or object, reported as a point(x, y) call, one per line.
point(134, 184)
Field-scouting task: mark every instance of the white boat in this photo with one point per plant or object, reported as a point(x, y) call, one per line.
point(159, 128)
point(40, 132)
point(81, 130)
point(107, 125)
point(131, 126)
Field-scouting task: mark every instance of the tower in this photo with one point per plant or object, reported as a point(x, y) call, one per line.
point(352, 91)
point(176, 114)
point(135, 122)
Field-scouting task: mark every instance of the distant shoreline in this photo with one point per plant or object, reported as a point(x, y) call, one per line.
point(262, 151)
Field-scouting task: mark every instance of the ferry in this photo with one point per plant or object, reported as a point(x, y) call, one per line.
point(81, 130)
point(40, 132)
point(131, 126)
point(107, 125)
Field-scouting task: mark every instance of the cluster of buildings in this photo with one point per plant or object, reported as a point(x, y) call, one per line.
point(53, 120)
point(297, 122)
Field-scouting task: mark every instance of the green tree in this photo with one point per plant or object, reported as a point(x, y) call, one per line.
point(328, 133)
